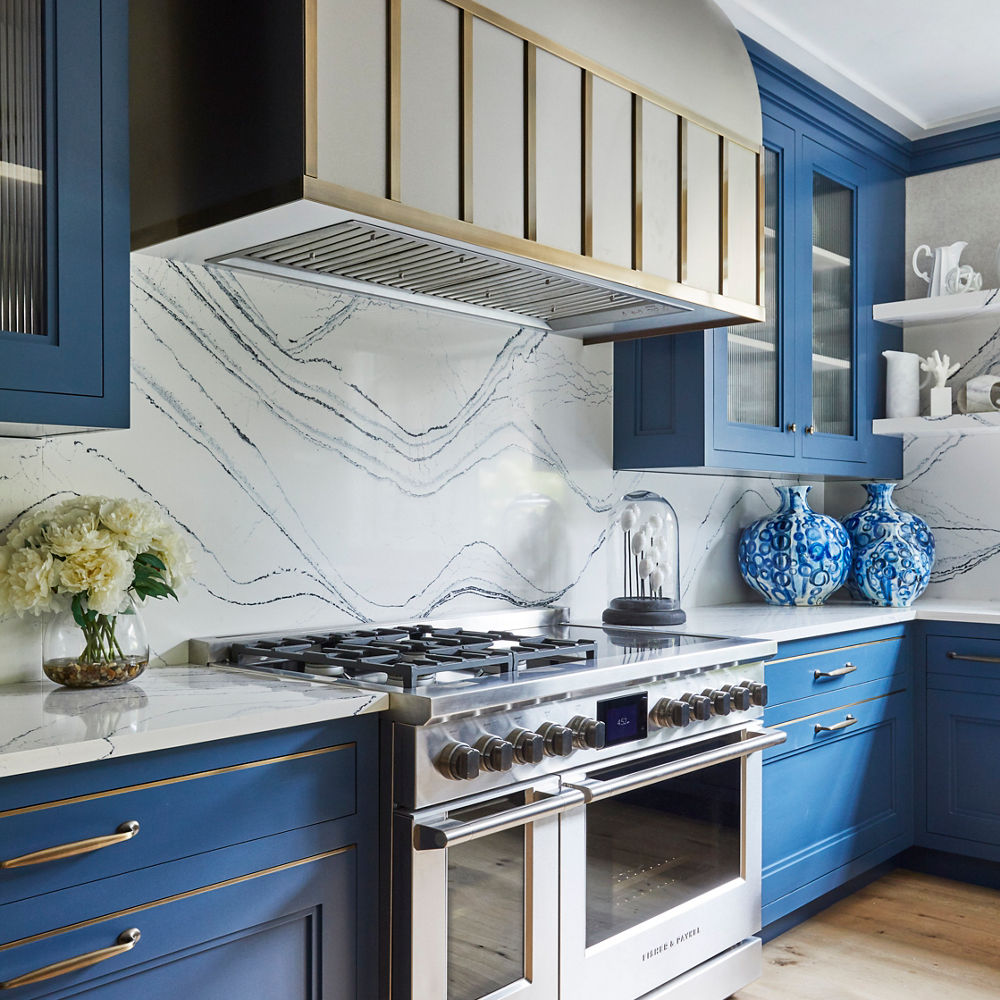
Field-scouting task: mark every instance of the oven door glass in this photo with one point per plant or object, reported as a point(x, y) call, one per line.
point(654, 848)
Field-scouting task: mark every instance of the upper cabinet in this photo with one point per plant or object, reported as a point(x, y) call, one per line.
point(64, 222)
point(797, 393)
point(595, 175)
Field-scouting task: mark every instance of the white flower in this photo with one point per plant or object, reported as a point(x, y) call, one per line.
point(134, 521)
point(78, 529)
point(103, 574)
point(30, 579)
point(173, 549)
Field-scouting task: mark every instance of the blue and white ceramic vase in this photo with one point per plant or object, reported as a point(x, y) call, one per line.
point(893, 551)
point(796, 556)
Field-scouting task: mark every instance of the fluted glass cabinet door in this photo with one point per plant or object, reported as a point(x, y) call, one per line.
point(752, 416)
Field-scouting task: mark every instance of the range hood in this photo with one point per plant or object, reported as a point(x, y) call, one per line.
point(534, 163)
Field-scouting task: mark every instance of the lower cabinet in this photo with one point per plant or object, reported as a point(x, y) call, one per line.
point(244, 868)
point(960, 808)
point(838, 794)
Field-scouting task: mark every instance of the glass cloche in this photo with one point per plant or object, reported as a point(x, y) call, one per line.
point(644, 563)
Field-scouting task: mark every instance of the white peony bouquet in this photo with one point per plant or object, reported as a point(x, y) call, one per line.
point(92, 554)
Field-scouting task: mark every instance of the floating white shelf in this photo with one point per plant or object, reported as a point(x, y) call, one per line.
point(957, 423)
point(938, 308)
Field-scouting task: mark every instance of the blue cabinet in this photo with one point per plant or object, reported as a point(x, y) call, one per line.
point(797, 393)
point(960, 794)
point(64, 218)
point(248, 867)
point(838, 794)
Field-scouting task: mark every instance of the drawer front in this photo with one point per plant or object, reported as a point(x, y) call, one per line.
point(963, 663)
point(835, 795)
point(287, 933)
point(174, 817)
point(832, 670)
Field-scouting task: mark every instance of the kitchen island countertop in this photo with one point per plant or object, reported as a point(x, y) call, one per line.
point(44, 726)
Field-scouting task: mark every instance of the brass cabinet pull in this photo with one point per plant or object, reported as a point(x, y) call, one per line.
point(811, 429)
point(974, 659)
point(848, 721)
point(792, 427)
point(847, 668)
point(127, 940)
point(124, 832)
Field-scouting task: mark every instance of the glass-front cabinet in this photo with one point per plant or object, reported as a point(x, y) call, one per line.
point(63, 215)
point(796, 393)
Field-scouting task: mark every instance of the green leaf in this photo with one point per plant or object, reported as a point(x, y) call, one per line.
point(148, 559)
point(77, 607)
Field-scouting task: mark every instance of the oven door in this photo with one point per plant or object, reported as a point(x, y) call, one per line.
point(475, 902)
point(661, 865)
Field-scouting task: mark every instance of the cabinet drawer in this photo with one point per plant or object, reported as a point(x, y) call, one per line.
point(177, 816)
point(832, 669)
point(286, 933)
point(834, 800)
point(963, 663)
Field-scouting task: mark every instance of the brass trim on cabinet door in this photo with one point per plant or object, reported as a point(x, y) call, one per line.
point(682, 201)
point(41, 936)
point(836, 649)
point(636, 182)
point(530, 141)
point(723, 216)
point(466, 116)
point(394, 84)
point(312, 89)
point(587, 164)
point(92, 796)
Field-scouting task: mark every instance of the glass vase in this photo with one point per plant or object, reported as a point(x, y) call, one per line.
point(112, 649)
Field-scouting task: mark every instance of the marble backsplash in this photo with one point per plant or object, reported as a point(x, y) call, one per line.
point(334, 458)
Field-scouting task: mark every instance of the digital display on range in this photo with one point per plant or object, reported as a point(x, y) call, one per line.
point(624, 718)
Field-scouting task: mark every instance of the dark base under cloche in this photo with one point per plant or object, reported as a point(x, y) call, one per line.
point(643, 611)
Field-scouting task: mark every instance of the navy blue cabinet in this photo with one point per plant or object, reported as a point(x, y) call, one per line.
point(838, 794)
point(247, 867)
point(797, 393)
point(960, 795)
point(64, 217)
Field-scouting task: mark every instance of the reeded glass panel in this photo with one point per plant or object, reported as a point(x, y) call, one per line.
point(486, 910)
point(22, 164)
point(753, 348)
point(660, 846)
point(833, 287)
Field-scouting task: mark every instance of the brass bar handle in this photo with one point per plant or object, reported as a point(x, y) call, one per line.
point(847, 668)
point(127, 940)
point(126, 831)
point(850, 720)
point(973, 659)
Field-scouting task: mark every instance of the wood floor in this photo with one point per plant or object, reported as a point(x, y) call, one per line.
point(905, 937)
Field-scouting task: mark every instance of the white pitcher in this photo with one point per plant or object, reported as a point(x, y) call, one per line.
point(902, 384)
point(945, 260)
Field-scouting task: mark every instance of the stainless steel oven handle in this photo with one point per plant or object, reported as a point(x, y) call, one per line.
point(595, 790)
point(451, 833)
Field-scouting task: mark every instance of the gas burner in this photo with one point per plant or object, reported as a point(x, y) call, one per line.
point(410, 655)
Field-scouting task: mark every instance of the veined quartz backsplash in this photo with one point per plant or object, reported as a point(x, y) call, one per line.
point(335, 458)
point(952, 482)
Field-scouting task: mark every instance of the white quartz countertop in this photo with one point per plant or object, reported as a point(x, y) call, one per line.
point(763, 621)
point(44, 726)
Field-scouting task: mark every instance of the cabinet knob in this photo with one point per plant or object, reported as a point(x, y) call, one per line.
point(792, 427)
point(810, 429)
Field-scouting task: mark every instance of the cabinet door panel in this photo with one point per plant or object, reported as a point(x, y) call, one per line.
point(430, 111)
point(498, 129)
point(287, 933)
point(963, 747)
point(351, 94)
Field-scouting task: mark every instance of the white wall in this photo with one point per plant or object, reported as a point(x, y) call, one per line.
point(335, 458)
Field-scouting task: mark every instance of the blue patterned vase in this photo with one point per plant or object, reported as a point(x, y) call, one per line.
point(893, 551)
point(796, 556)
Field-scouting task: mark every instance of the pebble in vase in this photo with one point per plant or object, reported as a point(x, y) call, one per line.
point(893, 551)
point(796, 556)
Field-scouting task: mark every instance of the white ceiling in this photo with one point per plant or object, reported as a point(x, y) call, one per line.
point(920, 66)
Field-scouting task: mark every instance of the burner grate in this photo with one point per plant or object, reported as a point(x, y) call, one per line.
point(411, 654)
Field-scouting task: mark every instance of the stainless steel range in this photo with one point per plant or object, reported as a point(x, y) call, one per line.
point(575, 810)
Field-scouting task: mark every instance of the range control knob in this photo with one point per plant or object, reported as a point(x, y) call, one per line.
point(558, 740)
point(496, 753)
point(459, 761)
point(588, 734)
point(739, 696)
point(671, 713)
point(721, 705)
point(758, 692)
point(701, 707)
point(529, 747)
